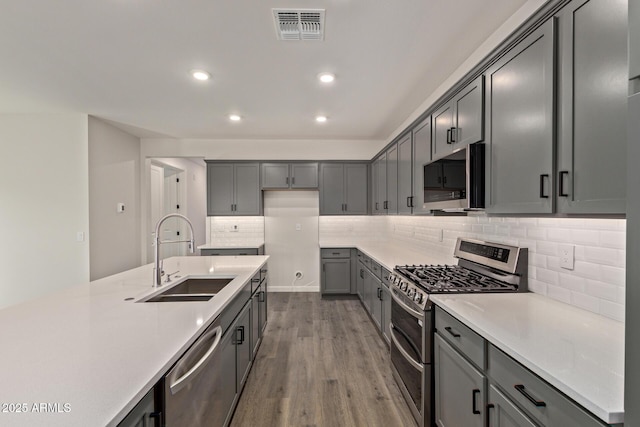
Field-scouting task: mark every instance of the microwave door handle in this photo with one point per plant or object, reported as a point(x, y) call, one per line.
point(178, 384)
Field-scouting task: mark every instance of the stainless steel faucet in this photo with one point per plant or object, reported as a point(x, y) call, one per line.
point(157, 269)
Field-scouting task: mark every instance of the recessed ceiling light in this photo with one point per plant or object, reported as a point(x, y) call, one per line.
point(234, 117)
point(200, 75)
point(321, 119)
point(326, 77)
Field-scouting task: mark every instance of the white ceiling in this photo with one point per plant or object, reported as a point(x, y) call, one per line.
point(127, 61)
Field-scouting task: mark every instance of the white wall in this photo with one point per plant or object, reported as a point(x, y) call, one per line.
point(44, 199)
point(231, 149)
point(291, 240)
point(114, 177)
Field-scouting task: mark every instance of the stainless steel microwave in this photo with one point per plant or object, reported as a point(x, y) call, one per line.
point(456, 182)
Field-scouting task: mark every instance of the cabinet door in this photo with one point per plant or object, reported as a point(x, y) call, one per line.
point(386, 314)
point(503, 413)
point(374, 188)
point(336, 275)
point(459, 388)
point(376, 302)
point(331, 189)
point(593, 102)
point(220, 198)
point(275, 175)
point(360, 281)
point(368, 292)
point(247, 189)
point(355, 197)
point(244, 349)
point(140, 415)
point(392, 180)
point(255, 322)
point(441, 144)
point(304, 175)
point(405, 174)
point(381, 181)
point(262, 313)
point(520, 126)
point(469, 114)
point(421, 156)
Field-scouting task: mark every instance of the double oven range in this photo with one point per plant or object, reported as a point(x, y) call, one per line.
point(482, 267)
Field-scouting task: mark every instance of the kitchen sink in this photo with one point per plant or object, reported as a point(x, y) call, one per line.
point(192, 290)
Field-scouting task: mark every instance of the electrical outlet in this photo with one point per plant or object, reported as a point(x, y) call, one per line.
point(567, 256)
point(235, 228)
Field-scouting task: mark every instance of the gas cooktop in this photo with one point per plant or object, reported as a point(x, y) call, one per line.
point(452, 278)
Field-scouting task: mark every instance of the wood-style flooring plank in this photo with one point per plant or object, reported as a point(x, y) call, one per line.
point(321, 363)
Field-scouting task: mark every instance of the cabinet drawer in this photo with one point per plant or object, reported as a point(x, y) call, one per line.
point(385, 276)
point(461, 337)
point(335, 253)
point(536, 397)
point(227, 252)
point(376, 269)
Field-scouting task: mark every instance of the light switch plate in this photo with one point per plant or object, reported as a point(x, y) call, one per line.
point(567, 256)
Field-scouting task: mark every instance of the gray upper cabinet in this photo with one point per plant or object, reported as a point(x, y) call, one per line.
point(289, 175)
point(380, 176)
point(421, 156)
point(459, 122)
point(343, 189)
point(592, 143)
point(392, 181)
point(634, 39)
point(520, 126)
point(233, 189)
point(405, 175)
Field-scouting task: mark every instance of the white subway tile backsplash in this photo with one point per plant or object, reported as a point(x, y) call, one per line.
point(558, 293)
point(585, 301)
point(612, 310)
point(585, 237)
point(547, 276)
point(613, 239)
point(606, 256)
point(604, 291)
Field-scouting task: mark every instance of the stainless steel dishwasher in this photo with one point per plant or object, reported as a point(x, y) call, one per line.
point(200, 389)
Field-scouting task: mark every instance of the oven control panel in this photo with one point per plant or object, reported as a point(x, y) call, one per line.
point(413, 294)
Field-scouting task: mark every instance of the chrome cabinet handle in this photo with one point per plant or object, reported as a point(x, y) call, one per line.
point(178, 384)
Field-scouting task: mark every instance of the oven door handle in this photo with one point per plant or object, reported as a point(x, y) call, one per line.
point(414, 313)
point(404, 353)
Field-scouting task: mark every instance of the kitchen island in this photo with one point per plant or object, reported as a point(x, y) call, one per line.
point(86, 355)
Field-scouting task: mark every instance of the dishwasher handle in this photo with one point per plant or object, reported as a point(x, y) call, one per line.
point(175, 385)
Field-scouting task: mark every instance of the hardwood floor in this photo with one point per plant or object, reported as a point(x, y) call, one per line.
point(321, 363)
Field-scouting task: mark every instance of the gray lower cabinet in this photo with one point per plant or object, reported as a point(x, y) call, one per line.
point(289, 175)
point(532, 395)
point(244, 349)
point(256, 332)
point(335, 275)
point(360, 281)
point(520, 126)
point(421, 157)
point(376, 300)
point(343, 189)
point(144, 414)
point(503, 413)
point(592, 139)
point(233, 189)
point(405, 175)
point(385, 317)
point(459, 388)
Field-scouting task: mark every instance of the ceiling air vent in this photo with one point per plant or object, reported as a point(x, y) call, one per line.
point(299, 24)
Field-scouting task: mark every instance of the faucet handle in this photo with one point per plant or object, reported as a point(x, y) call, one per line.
point(168, 279)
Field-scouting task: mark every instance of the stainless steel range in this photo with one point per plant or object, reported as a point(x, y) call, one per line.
point(482, 267)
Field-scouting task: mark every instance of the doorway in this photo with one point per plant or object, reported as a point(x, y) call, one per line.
point(167, 196)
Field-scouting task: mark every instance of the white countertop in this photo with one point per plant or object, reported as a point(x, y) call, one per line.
point(390, 255)
point(578, 352)
point(232, 245)
point(88, 348)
